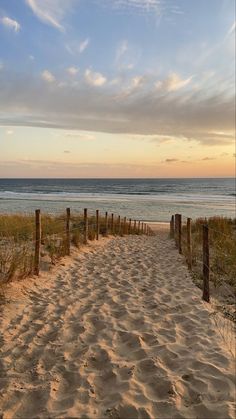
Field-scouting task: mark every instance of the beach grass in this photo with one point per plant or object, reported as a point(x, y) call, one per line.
point(222, 250)
point(17, 240)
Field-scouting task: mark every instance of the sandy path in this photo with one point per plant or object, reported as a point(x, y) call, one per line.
point(119, 333)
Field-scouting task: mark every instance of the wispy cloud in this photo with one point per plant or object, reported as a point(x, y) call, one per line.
point(10, 23)
point(50, 12)
point(48, 76)
point(72, 71)
point(136, 6)
point(231, 30)
point(77, 48)
point(83, 45)
point(94, 79)
point(121, 50)
point(80, 136)
point(173, 83)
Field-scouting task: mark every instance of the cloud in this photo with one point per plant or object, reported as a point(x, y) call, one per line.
point(208, 158)
point(80, 136)
point(121, 50)
point(143, 7)
point(76, 48)
point(50, 12)
point(9, 132)
point(171, 160)
point(203, 116)
point(72, 71)
point(172, 83)
point(10, 23)
point(83, 45)
point(94, 79)
point(135, 85)
point(231, 30)
point(66, 151)
point(48, 76)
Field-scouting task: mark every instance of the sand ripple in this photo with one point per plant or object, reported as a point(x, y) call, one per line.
point(119, 332)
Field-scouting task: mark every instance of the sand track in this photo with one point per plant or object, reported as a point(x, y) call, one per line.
point(119, 332)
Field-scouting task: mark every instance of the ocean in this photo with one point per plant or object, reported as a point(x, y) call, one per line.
point(141, 199)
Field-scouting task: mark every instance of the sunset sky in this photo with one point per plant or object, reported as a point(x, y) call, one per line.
point(117, 88)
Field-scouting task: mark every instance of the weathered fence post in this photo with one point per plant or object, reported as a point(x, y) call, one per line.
point(85, 226)
point(172, 223)
point(139, 223)
point(180, 233)
point(119, 225)
point(112, 223)
point(106, 224)
point(206, 264)
point(129, 227)
point(37, 241)
point(68, 231)
point(124, 226)
point(176, 229)
point(189, 243)
point(97, 224)
point(135, 222)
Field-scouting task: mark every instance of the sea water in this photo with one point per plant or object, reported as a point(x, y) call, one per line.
point(141, 199)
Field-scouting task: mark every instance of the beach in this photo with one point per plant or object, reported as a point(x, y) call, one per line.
point(118, 330)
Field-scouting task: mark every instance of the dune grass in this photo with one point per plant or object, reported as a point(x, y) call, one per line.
point(17, 240)
point(222, 250)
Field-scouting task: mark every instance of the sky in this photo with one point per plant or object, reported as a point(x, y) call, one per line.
point(117, 88)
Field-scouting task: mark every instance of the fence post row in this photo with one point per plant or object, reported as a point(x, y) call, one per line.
point(68, 231)
point(206, 260)
point(37, 241)
point(115, 228)
point(176, 227)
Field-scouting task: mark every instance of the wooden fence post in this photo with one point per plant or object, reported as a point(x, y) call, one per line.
point(180, 233)
point(135, 226)
point(124, 226)
point(206, 264)
point(112, 223)
point(106, 224)
point(189, 243)
point(85, 226)
point(172, 223)
point(176, 229)
point(129, 226)
point(139, 223)
point(68, 231)
point(97, 224)
point(37, 241)
point(119, 225)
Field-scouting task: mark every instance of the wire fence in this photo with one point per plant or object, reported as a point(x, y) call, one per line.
point(209, 247)
point(31, 243)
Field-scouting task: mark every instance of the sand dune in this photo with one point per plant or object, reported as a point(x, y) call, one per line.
point(118, 332)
